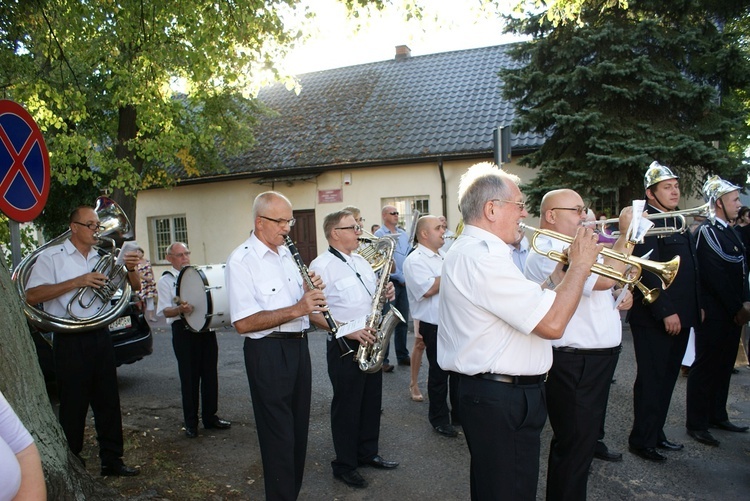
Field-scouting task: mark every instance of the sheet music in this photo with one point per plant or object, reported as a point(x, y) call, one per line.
point(353, 326)
point(129, 246)
point(638, 225)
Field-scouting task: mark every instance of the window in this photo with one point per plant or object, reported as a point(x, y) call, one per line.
point(406, 207)
point(166, 230)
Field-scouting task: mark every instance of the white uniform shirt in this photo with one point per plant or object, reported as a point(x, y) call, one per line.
point(166, 290)
point(596, 323)
point(58, 264)
point(421, 267)
point(488, 310)
point(346, 296)
point(259, 279)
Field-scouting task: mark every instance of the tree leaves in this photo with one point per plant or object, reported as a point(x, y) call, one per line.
point(621, 88)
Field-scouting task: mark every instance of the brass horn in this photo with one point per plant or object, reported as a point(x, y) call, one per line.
point(116, 228)
point(666, 271)
point(370, 251)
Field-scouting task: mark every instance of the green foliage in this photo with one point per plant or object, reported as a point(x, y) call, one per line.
point(97, 76)
point(28, 240)
point(621, 88)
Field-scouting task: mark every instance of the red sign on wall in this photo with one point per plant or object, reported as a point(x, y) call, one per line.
point(330, 196)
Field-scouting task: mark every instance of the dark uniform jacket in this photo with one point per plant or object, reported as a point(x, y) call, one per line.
point(682, 296)
point(721, 255)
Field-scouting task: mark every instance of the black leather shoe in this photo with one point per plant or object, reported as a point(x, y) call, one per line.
point(703, 437)
point(669, 446)
point(217, 424)
point(601, 451)
point(119, 470)
point(379, 462)
point(191, 432)
point(404, 361)
point(649, 453)
point(352, 478)
point(446, 430)
point(387, 368)
point(729, 426)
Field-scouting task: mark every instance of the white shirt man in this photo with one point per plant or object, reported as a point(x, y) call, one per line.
point(584, 359)
point(494, 329)
point(357, 395)
point(269, 305)
point(422, 270)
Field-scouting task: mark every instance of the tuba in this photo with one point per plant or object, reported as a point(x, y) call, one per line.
point(370, 358)
point(116, 230)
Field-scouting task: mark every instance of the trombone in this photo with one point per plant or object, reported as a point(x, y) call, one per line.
point(679, 226)
point(666, 271)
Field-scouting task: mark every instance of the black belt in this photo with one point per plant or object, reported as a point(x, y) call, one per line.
point(286, 335)
point(502, 378)
point(584, 351)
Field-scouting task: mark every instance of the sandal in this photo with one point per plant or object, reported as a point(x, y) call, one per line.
point(416, 395)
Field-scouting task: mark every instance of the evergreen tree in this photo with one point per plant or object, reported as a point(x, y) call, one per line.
point(623, 87)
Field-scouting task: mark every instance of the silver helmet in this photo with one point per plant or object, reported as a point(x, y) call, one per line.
point(657, 173)
point(715, 187)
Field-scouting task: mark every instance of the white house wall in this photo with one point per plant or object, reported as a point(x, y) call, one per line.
point(219, 214)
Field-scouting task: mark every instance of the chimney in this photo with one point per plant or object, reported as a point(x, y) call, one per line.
point(402, 52)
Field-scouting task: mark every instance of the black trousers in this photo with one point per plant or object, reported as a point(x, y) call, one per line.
point(577, 393)
point(659, 357)
point(197, 355)
point(440, 384)
point(355, 410)
point(716, 345)
point(502, 423)
point(87, 375)
point(401, 303)
point(279, 375)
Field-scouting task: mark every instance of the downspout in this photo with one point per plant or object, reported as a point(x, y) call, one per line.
point(442, 187)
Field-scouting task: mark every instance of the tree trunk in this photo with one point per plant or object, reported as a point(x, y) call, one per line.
point(22, 383)
point(127, 130)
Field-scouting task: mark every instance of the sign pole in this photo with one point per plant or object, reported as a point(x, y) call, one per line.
point(15, 242)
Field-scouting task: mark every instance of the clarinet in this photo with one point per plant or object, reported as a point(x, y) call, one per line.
point(306, 277)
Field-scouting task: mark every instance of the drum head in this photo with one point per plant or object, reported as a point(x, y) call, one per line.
point(203, 288)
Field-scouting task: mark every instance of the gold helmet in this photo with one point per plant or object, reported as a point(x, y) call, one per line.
point(657, 173)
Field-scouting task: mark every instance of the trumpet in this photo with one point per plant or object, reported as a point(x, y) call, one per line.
point(679, 226)
point(666, 271)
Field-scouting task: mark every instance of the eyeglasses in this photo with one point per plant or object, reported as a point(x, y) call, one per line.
point(356, 227)
point(91, 226)
point(180, 255)
point(281, 221)
point(394, 213)
point(360, 220)
point(578, 208)
point(522, 205)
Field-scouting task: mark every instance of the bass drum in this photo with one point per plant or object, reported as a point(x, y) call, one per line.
point(203, 287)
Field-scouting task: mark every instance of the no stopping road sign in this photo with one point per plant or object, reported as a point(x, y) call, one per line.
point(24, 164)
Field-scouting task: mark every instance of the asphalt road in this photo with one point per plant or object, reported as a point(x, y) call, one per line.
point(432, 466)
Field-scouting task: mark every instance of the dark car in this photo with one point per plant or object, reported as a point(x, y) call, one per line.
point(131, 337)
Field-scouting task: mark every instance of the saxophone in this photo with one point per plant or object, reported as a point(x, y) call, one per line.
point(370, 358)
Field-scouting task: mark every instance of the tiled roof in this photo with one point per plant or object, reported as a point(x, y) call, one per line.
point(438, 105)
